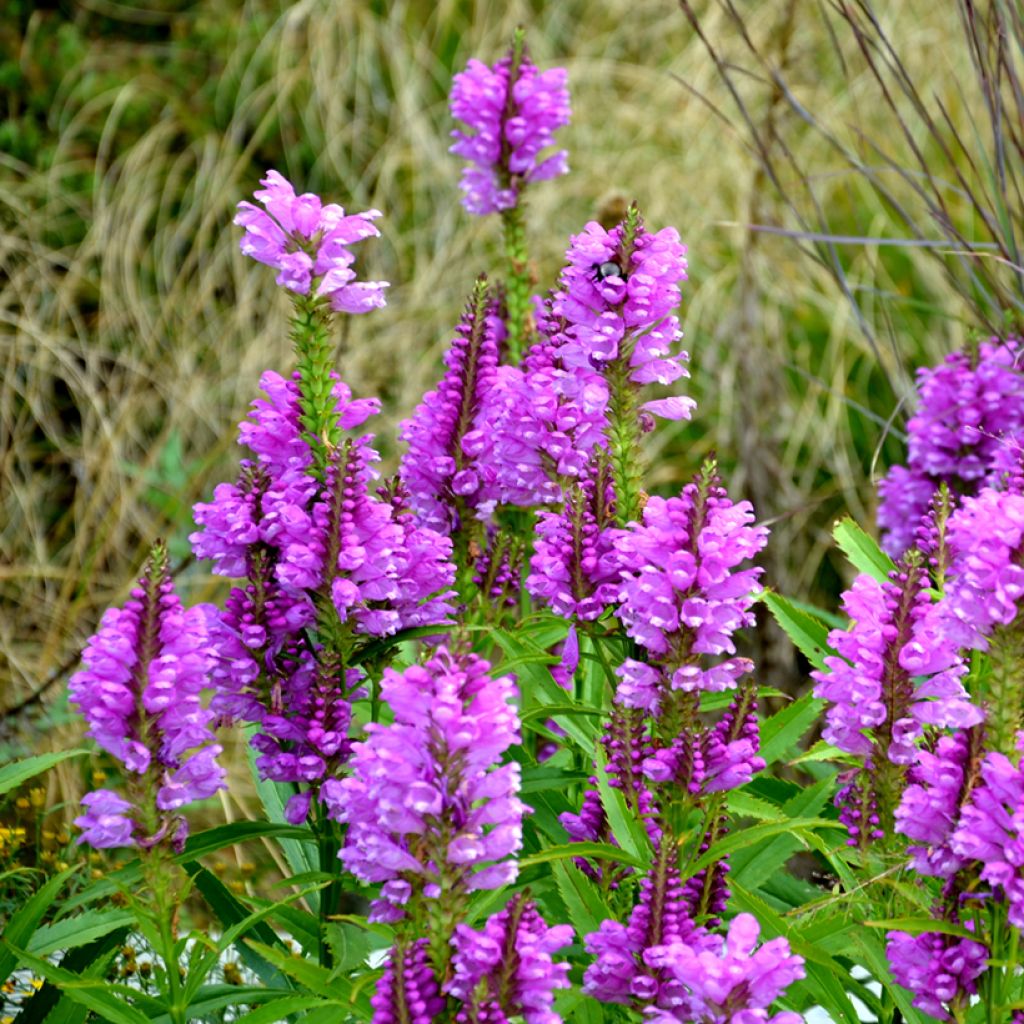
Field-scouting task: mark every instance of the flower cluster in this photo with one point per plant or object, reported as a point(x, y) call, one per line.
point(427, 808)
point(505, 970)
point(408, 990)
point(574, 569)
point(511, 113)
point(309, 546)
point(139, 691)
point(606, 332)
point(939, 969)
point(970, 415)
point(895, 672)
point(308, 242)
point(734, 981)
point(437, 470)
point(681, 596)
point(985, 538)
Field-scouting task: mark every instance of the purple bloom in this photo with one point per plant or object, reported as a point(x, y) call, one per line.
point(599, 335)
point(425, 795)
point(308, 243)
point(107, 822)
point(930, 807)
point(971, 412)
point(407, 991)
point(680, 596)
point(573, 568)
point(620, 973)
point(985, 538)
point(991, 829)
point(735, 983)
point(139, 691)
point(511, 113)
point(939, 969)
point(506, 968)
point(713, 759)
point(308, 543)
point(440, 475)
point(893, 657)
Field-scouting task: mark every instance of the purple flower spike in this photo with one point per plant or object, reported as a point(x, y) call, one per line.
point(574, 568)
point(681, 595)
point(439, 473)
point(620, 973)
point(407, 991)
point(985, 537)
point(308, 243)
point(425, 802)
point(139, 691)
point(511, 113)
point(970, 417)
point(991, 830)
point(939, 969)
point(507, 968)
point(735, 983)
point(892, 657)
point(930, 808)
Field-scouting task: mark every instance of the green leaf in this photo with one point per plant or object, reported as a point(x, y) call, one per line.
point(276, 1011)
point(351, 944)
point(94, 993)
point(199, 845)
point(822, 751)
point(308, 974)
point(630, 833)
point(921, 925)
point(743, 804)
point(49, 1004)
point(78, 930)
point(232, 913)
point(603, 851)
point(25, 920)
point(809, 635)
point(13, 775)
point(746, 836)
point(878, 963)
point(583, 900)
point(862, 551)
point(783, 730)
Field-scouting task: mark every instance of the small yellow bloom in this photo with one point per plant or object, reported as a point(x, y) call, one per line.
point(22, 803)
point(38, 797)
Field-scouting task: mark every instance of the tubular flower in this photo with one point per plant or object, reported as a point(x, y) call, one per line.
point(426, 803)
point(939, 969)
point(573, 568)
point(991, 829)
point(930, 808)
point(605, 333)
point(892, 657)
point(719, 757)
point(407, 991)
point(308, 243)
point(620, 974)
point(614, 304)
point(734, 983)
point(505, 971)
point(441, 477)
point(139, 691)
point(985, 538)
point(971, 408)
point(511, 113)
point(309, 545)
point(680, 595)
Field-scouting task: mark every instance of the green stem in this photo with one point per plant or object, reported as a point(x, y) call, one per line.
point(175, 1005)
point(517, 280)
point(311, 335)
point(328, 843)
